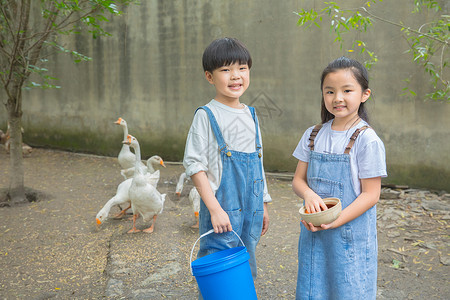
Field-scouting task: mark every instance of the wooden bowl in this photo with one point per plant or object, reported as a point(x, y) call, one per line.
point(325, 216)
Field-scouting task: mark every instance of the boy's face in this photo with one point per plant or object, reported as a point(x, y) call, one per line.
point(230, 82)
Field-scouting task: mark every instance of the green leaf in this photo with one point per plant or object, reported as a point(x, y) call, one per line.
point(396, 264)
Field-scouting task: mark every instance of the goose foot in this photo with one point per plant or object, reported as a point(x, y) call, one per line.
point(197, 221)
point(150, 229)
point(134, 229)
point(119, 216)
point(122, 213)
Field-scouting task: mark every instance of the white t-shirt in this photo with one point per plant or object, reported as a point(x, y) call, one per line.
point(202, 151)
point(367, 156)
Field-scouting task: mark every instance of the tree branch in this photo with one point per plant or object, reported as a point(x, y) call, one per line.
point(404, 27)
point(48, 31)
point(35, 49)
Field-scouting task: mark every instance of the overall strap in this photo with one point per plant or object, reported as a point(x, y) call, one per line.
point(353, 138)
point(215, 127)
point(313, 135)
point(258, 144)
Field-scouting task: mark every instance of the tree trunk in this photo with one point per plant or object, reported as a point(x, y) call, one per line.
point(16, 186)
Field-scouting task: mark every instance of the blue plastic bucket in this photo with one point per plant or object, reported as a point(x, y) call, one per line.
point(225, 274)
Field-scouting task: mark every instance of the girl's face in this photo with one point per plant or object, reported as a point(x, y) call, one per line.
point(342, 95)
point(230, 82)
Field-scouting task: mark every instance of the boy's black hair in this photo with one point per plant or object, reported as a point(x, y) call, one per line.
point(225, 52)
point(359, 73)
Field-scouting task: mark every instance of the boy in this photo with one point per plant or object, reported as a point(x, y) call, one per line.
point(223, 155)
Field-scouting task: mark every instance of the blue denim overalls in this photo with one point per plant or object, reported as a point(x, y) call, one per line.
point(240, 194)
point(338, 263)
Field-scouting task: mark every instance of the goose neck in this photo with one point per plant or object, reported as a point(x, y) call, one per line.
point(150, 168)
point(137, 151)
point(125, 132)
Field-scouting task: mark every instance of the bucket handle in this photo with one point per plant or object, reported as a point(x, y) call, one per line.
point(205, 234)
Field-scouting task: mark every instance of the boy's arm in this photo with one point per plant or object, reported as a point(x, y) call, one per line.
point(266, 196)
point(219, 218)
point(265, 220)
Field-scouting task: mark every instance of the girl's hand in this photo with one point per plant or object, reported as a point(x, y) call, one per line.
point(220, 221)
point(369, 196)
point(313, 203)
point(313, 228)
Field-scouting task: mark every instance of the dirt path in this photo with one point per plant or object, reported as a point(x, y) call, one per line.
point(52, 249)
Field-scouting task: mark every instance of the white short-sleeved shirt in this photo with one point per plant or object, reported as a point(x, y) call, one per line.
point(367, 156)
point(202, 151)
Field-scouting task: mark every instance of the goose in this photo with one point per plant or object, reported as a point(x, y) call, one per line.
point(2, 137)
point(145, 199)
point(149, 168)
point(121, 197)
point(26, 149)
point(180, 184)
point(154, 161)
point(6, 139)
point(194, 196)
point(126, 158)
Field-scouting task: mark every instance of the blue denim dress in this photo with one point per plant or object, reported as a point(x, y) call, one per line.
point(338, 263)
point(240, 194)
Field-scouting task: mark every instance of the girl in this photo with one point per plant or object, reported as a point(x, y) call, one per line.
point(344, 158)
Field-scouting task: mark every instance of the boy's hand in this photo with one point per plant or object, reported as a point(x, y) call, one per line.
point(220, 221)
point(265, 220)
point(219, 218)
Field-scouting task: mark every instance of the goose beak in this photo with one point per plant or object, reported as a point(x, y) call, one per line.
point(118, 121)
point(178, 194)
point(98, 223)
point(128, 140)
point(161, 162)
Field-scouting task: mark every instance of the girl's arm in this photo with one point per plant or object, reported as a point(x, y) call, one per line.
point(371, 189)
point(219, 218)
point(313, 202)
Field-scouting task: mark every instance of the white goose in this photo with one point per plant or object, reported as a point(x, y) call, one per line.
point(126, 158)
point(194, 197)
point(180, 184)
point(2, 137)
point(149, 168)
point(145, 198)
point(5, 138)
point(121, 198)
point(154, 161)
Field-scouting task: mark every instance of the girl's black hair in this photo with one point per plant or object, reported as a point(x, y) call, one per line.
point(225, 52)
point(359, 73)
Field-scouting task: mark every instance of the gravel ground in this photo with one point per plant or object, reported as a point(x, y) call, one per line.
point(51, 248)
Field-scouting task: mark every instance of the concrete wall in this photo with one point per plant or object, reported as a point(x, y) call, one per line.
point(150, 73)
